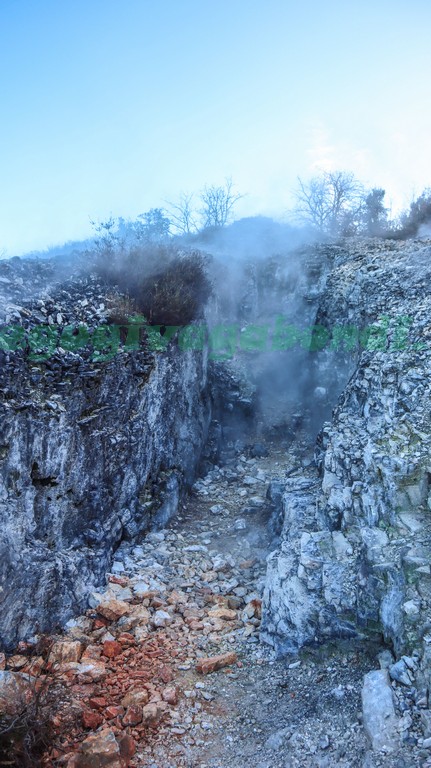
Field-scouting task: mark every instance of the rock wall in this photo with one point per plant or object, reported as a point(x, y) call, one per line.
point(91, 453)
point(354, 554)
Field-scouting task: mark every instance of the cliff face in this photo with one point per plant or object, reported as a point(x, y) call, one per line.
point(355, 543)
point(92, 452)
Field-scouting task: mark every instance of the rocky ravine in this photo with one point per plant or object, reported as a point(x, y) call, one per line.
point(142, 686)
point(349, 565)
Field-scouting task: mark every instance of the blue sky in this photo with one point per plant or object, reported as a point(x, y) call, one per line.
point(112, 107)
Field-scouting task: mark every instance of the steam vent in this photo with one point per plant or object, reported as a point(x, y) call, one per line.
point(215, 508)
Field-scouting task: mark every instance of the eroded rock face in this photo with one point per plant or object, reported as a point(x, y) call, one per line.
point(85, 449)
point(355, 544)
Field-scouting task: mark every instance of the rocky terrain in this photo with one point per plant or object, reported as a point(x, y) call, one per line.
point(92, 449)
point(283, 617)
point(166, 668)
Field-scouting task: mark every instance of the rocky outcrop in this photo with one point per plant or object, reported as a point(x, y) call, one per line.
point(355, 543)
point(92, 452)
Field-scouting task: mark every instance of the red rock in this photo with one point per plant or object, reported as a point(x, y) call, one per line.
point(113, 609)
point(207, 665)
point(97, 702)
point(121, 580)
point(177, 597)
point(111, 649)
point(127, 747)
point(92, 652)
point(91, 719)
point(257, 604)
point(166, 674)
point(170, 695)
point(195, 625)
point(133, 716)
point(100, 623)
point(125, 638)
point(112, 712)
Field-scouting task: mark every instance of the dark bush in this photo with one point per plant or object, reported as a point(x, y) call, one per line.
point(168, 286)
point(176, 295)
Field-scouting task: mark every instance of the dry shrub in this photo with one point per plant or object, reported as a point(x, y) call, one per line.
point(121, 307)
point(165, 284)
point(28, 734)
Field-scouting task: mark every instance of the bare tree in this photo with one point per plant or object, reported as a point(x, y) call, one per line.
point(218, 203)
point(182, 214)
point(330, 202)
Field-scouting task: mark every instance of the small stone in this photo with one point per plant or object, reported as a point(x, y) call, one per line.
point(99, 750)
point(222, 613)
point(411, 608)
point(2, 661)
point(113, 712)
point(161, 619)
point(277, 739)
point(91, 719)
point(141, 588)
point(294, 665)
point(385, 658)
point(127, 747)
point(113, 609)
point(111, 649)
point(399, 672)
point(379, 719)
point(64, 651)
point(211, 664)
point(92, 652)
point(95, 670)
point(324, 742)
point(97, 702)
point(133, 716)
point(152, 712)
point(15, 690)
point(170, 695)
point(136, 698)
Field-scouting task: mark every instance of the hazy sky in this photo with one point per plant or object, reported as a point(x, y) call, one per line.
point(111, 107)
